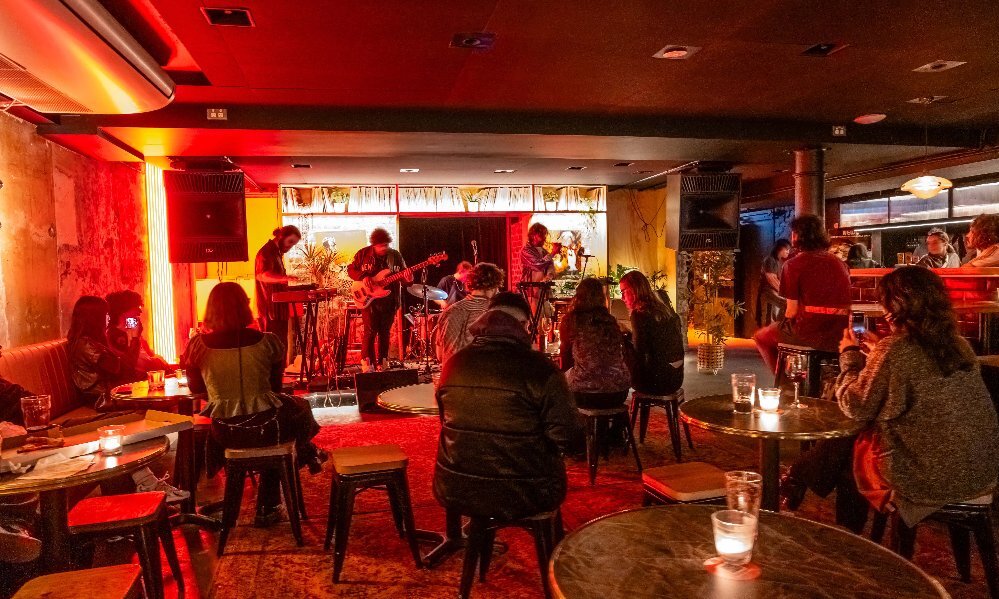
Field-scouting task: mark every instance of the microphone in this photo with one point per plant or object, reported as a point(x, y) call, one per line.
point(475, 246)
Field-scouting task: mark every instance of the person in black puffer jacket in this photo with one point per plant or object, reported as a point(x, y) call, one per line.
point(507, 415)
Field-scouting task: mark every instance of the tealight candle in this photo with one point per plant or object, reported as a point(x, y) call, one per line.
point(110, 438)
point(735, 533)
point(769, 399)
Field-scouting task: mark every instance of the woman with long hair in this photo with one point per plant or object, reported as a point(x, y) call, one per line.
point(931, 436)
point(657, 337)
point(592, 349)
point(983, 237)
point(96, 369)
point(241, 371)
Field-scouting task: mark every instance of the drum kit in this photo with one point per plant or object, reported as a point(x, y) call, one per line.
point(421, 343)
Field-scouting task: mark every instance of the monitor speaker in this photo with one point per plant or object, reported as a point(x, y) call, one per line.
point(709, 211)
point(368, 385)
point(206, 216)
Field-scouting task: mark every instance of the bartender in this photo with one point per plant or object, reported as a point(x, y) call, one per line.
point(272, 278)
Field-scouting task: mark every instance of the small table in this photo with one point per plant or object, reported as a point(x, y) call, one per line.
point(52, 493)
point(660, 552)
point(820, 420)
point(410, 399)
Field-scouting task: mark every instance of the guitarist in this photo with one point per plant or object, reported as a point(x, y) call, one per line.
point(379, 316)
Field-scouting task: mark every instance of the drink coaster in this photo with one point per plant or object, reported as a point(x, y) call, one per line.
point(716, 566)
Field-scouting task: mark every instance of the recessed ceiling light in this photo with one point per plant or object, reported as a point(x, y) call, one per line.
point(473, 41)
point(870, 119)
point(228, 17)
point(505, 170)
point(823, 49)
point(575, 168)
point(676, 52)
point(623, 163)
point(409, 170)
point(938, 65)
point(926, 99)
point(642, 173)
point(301, 165)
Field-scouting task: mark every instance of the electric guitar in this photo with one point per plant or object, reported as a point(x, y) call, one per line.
point(376, 286)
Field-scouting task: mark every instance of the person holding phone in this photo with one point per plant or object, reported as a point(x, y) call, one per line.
point(124, 325)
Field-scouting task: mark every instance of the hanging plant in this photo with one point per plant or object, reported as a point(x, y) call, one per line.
point(471, 200)
point(339, 198)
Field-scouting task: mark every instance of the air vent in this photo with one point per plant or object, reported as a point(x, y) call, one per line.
point(937, 66)
point(722, 183)
point(824, 49)
point(709, 241)
point(575, 168)
point(927, 100)
point(27, 89)
point(301, 165)
point(228, 17)
point(473, 41)
point(623, 163)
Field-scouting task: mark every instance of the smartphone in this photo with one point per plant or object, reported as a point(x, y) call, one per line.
point(131, 322)
point(858, 326)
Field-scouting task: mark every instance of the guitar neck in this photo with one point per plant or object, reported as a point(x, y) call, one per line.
point(402, 273)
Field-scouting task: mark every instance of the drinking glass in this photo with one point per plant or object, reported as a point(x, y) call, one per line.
point(735, 534)
point(796, 368)
point(157, 379)
point(743, 390)
point(743, 491)
point(36, 410)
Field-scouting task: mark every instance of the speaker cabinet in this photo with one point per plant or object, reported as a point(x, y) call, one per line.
point(206, 216)
point(709, 211)
point(369, 384)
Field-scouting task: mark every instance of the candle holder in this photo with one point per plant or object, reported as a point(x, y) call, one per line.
point(769, 399)
point(156, 378)
point(110, 438)
point(735, 534)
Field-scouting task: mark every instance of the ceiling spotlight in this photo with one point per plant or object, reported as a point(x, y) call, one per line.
point(301, 165)
point(870, 119)
point(642, 172)
point(926, 100)
point(575, 168)
point(505, 170)
point(409, 170)
point(623, 163)
point(938, 65)
point(824, 49)
point(676, 52)
point(480, 40)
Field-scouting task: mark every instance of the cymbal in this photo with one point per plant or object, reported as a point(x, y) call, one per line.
point(433, 293)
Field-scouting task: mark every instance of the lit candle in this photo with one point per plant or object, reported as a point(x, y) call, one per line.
point(731, 546)
point(735, 534)
point(769, 399)
point(110, 438)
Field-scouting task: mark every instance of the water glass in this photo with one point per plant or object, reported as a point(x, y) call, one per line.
point(735, 534)
point(157, 379)
point(36, 410)
point(743, 391)
point(743, 491)
point(769, 399)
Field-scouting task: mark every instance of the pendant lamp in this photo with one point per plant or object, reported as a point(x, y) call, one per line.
point(926, 185)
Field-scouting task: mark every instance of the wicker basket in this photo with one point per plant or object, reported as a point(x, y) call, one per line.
point(710, 357)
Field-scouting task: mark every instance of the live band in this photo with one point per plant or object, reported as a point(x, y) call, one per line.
point(379, 273)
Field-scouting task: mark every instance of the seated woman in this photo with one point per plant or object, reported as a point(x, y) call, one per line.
point(931, 437)
point(939, 253)
point(125, 308)
point(592, 350)
point(860, 257)
point(241, 369)
point(983, 237)
point(657, 337)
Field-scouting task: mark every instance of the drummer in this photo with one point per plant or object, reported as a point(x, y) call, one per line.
point(454, 285)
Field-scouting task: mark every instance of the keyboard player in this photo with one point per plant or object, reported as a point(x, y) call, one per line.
point(272, 278)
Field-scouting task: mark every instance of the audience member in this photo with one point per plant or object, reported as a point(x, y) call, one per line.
point(816, 285)
point(769, 304)
point(656, 337)
point(931, 437)
point(983, 237)
point(241, 371)
point(939, 252)
point(125, 312)
point(96, 368)
point(592, 349)
point(860, 257)
point(17, 512)
point(507, 415)
point(482, 282)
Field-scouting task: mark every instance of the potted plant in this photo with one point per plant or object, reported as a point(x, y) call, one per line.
point(471, 201)
point(339, 198)
point(711, 315)
point(551, 199)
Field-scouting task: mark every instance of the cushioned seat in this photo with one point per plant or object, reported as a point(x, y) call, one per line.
point(127, 510)
point(592, 412)
point(114, 582)
point(261, 452)
point(371, 458)
point(43, 368)
point(685, 483)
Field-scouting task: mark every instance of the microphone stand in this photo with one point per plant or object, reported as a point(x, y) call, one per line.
point(426, 325)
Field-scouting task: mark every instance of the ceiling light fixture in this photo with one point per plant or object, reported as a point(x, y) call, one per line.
point(409, 170)
point(938, 65)
point(926, 186)
point(301, 165)
point(870, 119)
point(676, 52)
point(575, 168)
point(505, 170)
point(228, 17)
point(473, 41)
point(824, 49)
point(624, 163)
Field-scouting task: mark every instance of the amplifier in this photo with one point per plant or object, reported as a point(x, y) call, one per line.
point(368, 385)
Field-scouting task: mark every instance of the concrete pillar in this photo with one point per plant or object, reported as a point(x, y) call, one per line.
point(809, 181)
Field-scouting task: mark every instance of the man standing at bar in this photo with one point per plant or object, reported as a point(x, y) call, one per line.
point(271, 278)
point(379, 315)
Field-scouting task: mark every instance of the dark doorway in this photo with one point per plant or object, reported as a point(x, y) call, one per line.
point(420, 237)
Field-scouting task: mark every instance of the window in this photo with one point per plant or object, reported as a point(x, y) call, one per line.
point(909, 208)
point(976, 199)
point(864, 212)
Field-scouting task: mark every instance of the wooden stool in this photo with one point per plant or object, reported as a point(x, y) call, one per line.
point(112, 582)
point(356, 469)
point(240, 462)
point(546, 528)
point(972, 517)
point(641, 407)
point(598, 422)
point(692, 482)
point(142, 516)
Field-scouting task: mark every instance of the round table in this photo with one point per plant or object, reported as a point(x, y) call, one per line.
point(52, 493)
point(660, 552)
point(820, 420)
point(138, 396)
point(411, 399)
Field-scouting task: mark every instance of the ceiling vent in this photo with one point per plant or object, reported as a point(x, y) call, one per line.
point(203, 164)
point(228, 17)
point(301, 165)
point(623, 163)
point(72, 57)
point(575, 168)
point(824, 49)
point(473, 41)
point(928, 100)
point(937, 66)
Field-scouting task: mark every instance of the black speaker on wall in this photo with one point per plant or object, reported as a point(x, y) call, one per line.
point(709, 211)
point(206, 216)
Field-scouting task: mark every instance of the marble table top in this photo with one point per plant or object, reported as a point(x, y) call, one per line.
point(411, 399)
point(820, 420)
point(660, 552)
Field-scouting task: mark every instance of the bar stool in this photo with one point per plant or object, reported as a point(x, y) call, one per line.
point(972, 517)
point(356, 469)
point(114, 582)
point(598, 422)
point(641, 407)
point(691, 482)
point(141, 516)
point(546, 528)
point(817, 359)
point(239, 463)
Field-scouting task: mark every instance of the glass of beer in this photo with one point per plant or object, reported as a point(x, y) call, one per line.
point(743, 391)
point(36, 410)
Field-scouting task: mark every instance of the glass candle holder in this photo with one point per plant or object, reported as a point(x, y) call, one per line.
point(110, 438)
point(156, 378)
point(769, 399)
point(743, 390)
point(735, 534)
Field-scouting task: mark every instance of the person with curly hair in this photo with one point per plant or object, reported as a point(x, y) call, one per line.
point(984, 239)
point(482, 283)
point(931, 435)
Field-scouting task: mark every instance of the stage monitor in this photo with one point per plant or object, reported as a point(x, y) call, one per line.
point(206, 216)
point(709, 211)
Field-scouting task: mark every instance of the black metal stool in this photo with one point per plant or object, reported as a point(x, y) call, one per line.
point(239, 463)
point(359, 468)
point(641, 408)
point(962, 519)
point(546, 528)
point(817, 361)
point(598, 422)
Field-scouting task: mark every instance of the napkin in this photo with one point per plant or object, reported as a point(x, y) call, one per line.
point(57, 466)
